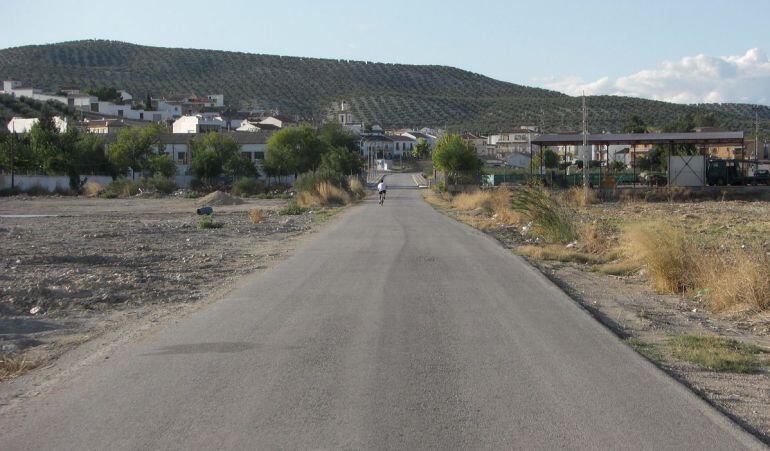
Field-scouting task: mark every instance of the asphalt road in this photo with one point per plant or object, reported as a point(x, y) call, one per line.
point(395, 327)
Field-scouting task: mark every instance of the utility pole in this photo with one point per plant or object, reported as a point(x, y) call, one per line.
point(14, 140)
point(756, 135)
point(586, 157)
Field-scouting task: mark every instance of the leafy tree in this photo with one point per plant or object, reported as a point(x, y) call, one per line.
point(239, 166)
point(455, 157)
point(161, 164)
point(333, 134)
point(550, 159)
point(341, 160)
point(304, 145)
point(279, 162)
point(133, 148)
point(215, 154)
point(421, 149)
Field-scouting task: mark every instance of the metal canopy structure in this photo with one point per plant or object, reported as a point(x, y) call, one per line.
point(640, 138)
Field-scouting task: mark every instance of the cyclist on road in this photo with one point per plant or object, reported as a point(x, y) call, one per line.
point(382, 188)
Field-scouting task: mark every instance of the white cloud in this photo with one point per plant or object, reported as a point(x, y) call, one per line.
point(693, 79)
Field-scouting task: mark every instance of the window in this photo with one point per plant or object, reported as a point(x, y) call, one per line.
point(247, 154)
point(180, 156)
point(120, 113)
point(259, 155)
point(141, 116)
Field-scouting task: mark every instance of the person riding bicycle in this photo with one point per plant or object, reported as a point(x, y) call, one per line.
point(382, 188)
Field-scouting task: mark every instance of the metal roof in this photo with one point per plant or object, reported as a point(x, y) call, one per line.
point(641, 138)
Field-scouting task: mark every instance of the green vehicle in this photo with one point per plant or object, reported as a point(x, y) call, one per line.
point(726, 172)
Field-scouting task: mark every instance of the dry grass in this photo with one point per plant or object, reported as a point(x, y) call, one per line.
point(671, 258)
point(736, 279)
point(356, 187)
point(618, 268)
point(324, 194)
point(256, 215)
point(595, 238)
point(439, 200)
point(473, 200)
point(576, 196)
point(13, 365)
point(558, 253)
point(92, 189)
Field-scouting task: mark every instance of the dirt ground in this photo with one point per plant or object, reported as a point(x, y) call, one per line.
point(648, 320)
point(72, 269)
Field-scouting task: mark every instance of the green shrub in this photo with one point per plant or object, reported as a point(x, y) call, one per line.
point(550, 220)
point(716, 353)
point(158, 183)
point(309, 180)
point(247, 187)
point(292, 209)
point(120, 188)
point(207, 222)
point(192, 194)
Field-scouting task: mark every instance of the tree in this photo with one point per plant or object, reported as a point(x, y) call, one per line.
point(279, 162)
point(215, 154)
point(341, 160)
point(421, 149)
point(455, 157)
point(333, 134)
point(304, 145)
point(161, 165)
point(133, 148)
point(550, 159)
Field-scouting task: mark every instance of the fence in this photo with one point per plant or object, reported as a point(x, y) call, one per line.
point(49, 182)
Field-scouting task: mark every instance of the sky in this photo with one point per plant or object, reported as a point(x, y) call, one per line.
point(686, 51)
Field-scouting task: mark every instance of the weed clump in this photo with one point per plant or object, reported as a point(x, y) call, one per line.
point(550, 220)
point(207, 222)
point(256, 216)
point(292, 209)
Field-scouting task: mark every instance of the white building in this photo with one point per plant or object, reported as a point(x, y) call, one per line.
point(279, 121)
point(199, 124)
point(415, 135)
point(22, 125)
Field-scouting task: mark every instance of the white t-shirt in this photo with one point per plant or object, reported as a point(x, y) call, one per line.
point(382, 187)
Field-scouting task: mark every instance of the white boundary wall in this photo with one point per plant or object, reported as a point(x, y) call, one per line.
point(49, 182)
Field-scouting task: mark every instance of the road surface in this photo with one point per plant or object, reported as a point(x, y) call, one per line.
point(395, 327)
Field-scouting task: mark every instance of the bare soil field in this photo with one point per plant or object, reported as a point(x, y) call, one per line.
point(652, 322)
point(72, 269)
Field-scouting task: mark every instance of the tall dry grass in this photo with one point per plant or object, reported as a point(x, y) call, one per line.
point(323, 194)
point(736, 279)
point(724, 279)
point(356, 187)
point(576, 196)
point(671, 258)
point(473, 200)
point(92, 189)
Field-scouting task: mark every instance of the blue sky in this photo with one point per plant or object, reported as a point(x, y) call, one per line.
point(679, 50)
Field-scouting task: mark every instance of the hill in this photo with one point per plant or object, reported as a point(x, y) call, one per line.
point(393, 95)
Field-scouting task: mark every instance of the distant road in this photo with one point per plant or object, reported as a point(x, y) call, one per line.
point(396, 328)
